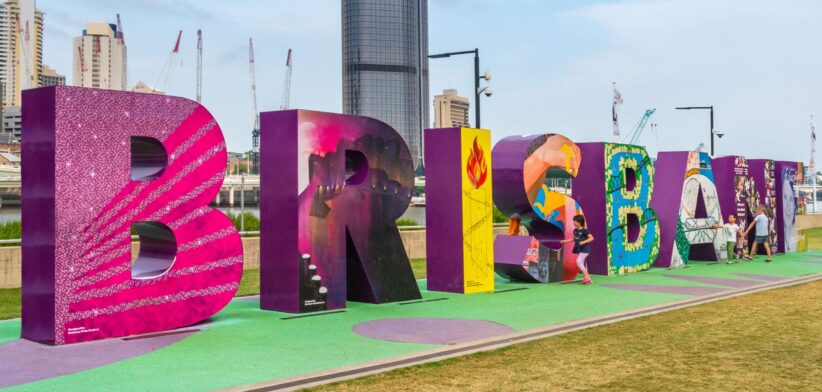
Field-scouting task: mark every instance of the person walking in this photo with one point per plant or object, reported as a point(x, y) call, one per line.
point(582, 240)
point(761, 234)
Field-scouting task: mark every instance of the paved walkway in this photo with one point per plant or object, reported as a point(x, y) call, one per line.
point(246, 348)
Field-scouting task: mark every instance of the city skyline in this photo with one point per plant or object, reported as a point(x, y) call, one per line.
point(558, 60)
point(21, 49)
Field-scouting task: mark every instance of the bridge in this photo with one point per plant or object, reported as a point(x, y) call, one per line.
point(234, 187)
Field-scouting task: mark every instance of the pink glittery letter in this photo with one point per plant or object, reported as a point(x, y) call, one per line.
point(99, 163)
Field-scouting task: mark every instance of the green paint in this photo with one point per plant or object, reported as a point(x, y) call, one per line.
point(683, 246)
point(245, 345)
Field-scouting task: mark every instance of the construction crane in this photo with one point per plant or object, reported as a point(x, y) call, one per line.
point(25, 39)
point(286, 99)
point(168, 67)
point(121, 38)
point(634, 136)
point(199, 66)
point(83, 68)
point(255, 133)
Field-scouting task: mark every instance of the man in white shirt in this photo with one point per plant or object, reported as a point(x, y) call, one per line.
point(761, 222)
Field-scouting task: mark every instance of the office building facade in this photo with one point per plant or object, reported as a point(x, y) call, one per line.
point(50, 77)
point(450, 110)
point(100, 58)
point(385, 64)
point(21, 49)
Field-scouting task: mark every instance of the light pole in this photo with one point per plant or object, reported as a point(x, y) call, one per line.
point(713, 132)
point(477, 77)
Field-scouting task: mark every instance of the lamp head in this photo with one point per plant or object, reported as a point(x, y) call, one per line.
point(486, 90)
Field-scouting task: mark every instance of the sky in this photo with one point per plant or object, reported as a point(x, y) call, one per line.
point(758, 63)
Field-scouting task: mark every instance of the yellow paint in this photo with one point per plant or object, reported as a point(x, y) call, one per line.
point(477, 221)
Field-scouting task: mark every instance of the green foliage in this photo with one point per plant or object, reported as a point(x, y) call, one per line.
point(10, 302)
point(499, 217)
point(251, 222)
point(407, 222)
point(10, 230)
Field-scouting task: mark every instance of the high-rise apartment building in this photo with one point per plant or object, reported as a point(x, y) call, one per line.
point(21, 48)
point(385, 64)
point(100, 58)
point(450, 110)
point(50, 77)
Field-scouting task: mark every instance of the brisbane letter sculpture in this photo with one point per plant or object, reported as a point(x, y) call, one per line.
point(101, 165)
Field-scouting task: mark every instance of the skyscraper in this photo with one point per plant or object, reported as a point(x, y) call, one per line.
point(450, 110)
point(385, 64)
point(100, 58)
point(21, 48)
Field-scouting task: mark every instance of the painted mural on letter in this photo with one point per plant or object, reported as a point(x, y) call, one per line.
point(699, 211)
point(332, 188)
point(632, 227)
point(530, 170)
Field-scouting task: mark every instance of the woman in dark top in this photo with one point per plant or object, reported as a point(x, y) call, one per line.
point(582, 239)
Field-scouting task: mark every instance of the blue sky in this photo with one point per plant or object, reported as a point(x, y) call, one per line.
point(758, 62)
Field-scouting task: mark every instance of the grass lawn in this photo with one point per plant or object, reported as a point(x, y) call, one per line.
point(9, 303)
point(814, 238)
point(418, 266)
point(768, 341)
point(250, 284)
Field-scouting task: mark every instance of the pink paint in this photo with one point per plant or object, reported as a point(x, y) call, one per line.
point(80, 141)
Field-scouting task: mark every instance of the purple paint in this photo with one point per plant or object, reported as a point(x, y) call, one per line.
point(589, 192)
point(667, 201)
point(431, 330)
point(509, 253)
point(38, 213)
point(22, 361)
point(509, 190)
point(681, 290)
point(735, 283)
point(766, 278)
point(443, 210)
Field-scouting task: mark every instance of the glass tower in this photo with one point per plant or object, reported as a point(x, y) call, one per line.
point(385, 64)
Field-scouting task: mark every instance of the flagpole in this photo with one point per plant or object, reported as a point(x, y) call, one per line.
point(614, 115)
point(813, 163)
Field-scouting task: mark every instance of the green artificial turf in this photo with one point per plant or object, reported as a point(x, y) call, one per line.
point(244, 345)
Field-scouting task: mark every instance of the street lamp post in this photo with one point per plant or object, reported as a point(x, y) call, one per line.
point(713, 132)
point(477, 78)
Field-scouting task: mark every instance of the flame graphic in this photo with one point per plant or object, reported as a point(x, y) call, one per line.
point(477, 169)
